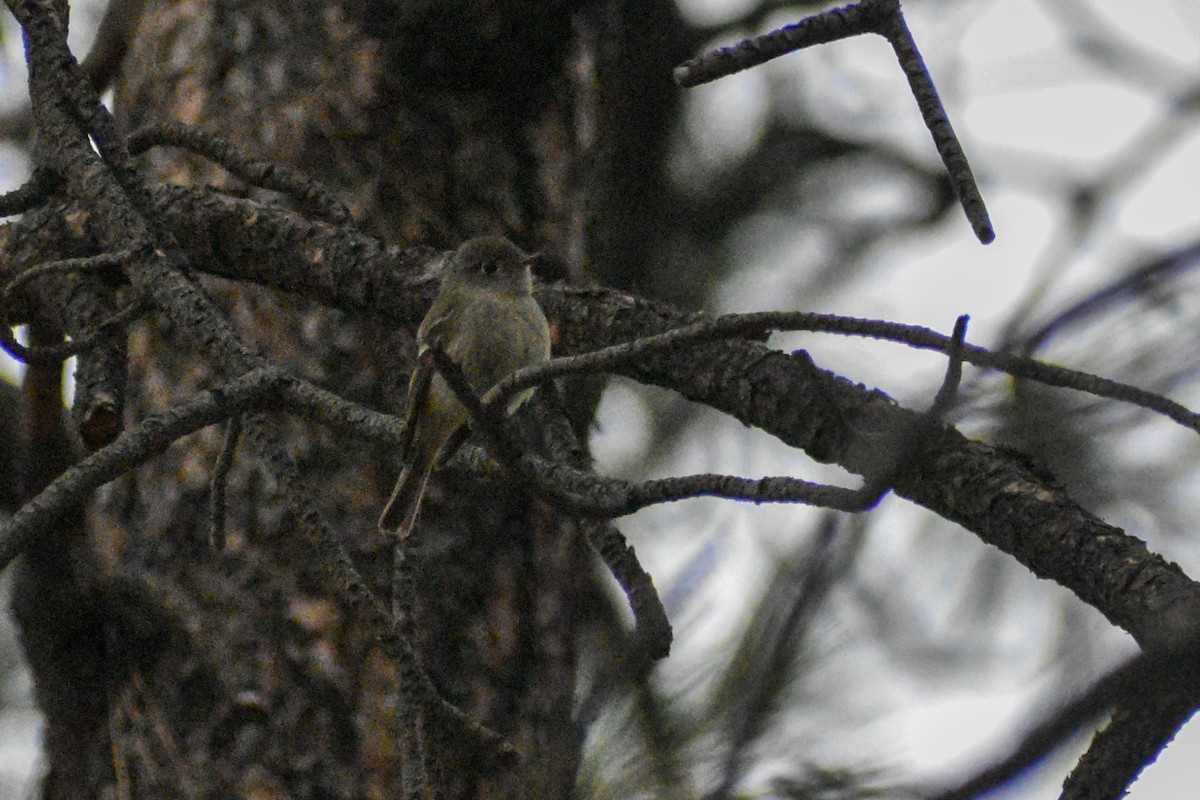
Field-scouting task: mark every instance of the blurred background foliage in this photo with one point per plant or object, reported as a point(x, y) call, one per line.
point(823, 656)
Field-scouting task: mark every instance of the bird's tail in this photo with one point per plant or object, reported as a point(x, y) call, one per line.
point(400, 513)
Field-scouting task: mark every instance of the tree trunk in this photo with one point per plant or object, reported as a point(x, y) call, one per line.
point(168, 669)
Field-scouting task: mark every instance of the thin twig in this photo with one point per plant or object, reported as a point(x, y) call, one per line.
point(822, 28)
point(66, 265)
point(944, 399)
point(912, 444)
point(59, 353)
point(962, 180)
point(885, 18)
point(592, 495)
point(218, 484)
point(266, 174)
point(414, 682)
point(152, 436)
point(614, 357)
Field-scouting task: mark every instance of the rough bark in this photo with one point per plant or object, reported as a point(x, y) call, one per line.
point(245, 671)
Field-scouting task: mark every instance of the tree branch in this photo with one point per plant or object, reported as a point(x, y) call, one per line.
point(150, 437)
point(885, 18)
point(989, 491)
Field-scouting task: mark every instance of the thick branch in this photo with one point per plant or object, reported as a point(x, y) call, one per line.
point(989, 491)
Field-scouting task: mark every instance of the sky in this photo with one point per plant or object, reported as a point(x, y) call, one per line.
point(1031, 113)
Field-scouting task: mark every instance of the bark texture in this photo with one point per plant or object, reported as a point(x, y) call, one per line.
point(186, 672)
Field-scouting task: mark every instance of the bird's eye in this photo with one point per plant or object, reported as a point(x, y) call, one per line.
point(489, 267)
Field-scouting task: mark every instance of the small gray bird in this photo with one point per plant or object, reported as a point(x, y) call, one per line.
point(489, 324)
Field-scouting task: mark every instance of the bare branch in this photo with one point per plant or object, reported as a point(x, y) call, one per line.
point(66, 266)
point(787, 396)
point(150, 437)
point(652, 629)
point(415, 684)
point(56, 354)
point(1141, 680)
point(895, 30)
point(265, 174)
point(885, 18)
point(944, 399)
point(86, 309)
point(1143, 722)
point(31, 193)
point(617, 357)
point(80, 342)
point(356, 273)
point(217, 484)
point(586, 493)
point(827, 26)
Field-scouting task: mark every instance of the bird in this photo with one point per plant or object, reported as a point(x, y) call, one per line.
point(488, 322)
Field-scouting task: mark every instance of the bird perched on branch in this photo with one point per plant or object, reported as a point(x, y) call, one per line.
point(489, 324)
